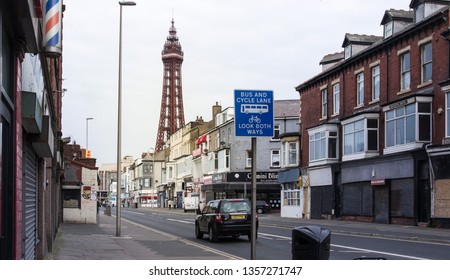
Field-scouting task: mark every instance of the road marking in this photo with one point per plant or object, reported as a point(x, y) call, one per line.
point(180, 221)
point(272, 236)
point(135, 213)
point(188, 242)
point(379, 252)
point(352, 249)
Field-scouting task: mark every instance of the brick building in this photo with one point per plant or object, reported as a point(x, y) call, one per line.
point(30, 127)
point(369, 116)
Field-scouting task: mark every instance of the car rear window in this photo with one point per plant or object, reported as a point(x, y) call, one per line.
point(235, 206)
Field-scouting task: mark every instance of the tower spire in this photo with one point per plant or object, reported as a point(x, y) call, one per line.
point(171, 117)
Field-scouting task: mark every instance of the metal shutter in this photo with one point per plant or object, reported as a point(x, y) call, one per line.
point(30, 183)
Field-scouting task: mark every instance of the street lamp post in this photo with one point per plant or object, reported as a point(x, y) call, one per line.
point(153, 179)
point(87, 132)
point(119, 121)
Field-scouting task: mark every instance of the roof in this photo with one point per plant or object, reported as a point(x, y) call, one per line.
point(286, 108)
point(411, 29)
point(397, 15)
point(360, 39)
point(330, 58)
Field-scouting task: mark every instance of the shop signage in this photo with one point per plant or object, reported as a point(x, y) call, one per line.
point(247, 177)
point(378, 182)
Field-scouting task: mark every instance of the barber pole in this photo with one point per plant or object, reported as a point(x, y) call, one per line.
point(52, 28)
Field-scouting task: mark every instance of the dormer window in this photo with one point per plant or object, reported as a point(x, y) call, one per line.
point(420, 12)
point(348, 52)
point(388, 29)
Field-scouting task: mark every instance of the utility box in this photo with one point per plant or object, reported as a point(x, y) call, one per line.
point(311, 243)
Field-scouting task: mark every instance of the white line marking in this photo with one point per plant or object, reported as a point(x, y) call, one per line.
point(180, 221)
point(353, 249)
point(379, 252)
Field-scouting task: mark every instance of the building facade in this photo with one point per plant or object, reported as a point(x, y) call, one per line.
point(368, 118)
point(30, 126)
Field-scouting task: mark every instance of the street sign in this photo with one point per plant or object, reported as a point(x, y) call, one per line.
point(253, 113)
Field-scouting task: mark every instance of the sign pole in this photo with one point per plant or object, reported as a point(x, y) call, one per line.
point(253, 239)
point(253, 118)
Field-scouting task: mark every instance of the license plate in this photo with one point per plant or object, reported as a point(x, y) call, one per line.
point(237, 217)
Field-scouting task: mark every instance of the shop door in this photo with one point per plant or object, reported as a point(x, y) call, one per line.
point(30, 183)
point(381, 207)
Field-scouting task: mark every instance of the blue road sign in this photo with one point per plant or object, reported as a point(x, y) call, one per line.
point(253, 113)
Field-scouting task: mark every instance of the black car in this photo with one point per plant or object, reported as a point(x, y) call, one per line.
point(262, 207)
point(225, 217)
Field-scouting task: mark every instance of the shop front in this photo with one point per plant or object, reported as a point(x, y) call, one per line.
point(239, 185)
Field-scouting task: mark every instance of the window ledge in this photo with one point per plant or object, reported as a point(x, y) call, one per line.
point(403, 91)
point(427, 83)
point(323, 162)
point(374, 101)
point(403, 148)
point(361, 155)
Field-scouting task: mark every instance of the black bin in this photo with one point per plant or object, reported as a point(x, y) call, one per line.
point(311, 243)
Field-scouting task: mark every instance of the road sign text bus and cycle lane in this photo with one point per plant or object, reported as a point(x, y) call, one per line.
point(253, 113)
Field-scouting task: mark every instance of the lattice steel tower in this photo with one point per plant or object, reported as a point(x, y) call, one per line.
point(171, 117)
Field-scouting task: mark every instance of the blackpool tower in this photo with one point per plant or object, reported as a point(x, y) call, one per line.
point(171, 117)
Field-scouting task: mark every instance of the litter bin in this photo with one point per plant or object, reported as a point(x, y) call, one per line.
point(311, 243)
point(108, 210)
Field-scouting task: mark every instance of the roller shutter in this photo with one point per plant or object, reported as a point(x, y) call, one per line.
point(30, 184)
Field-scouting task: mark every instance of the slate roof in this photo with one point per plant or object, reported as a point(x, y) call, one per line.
point(286, 108)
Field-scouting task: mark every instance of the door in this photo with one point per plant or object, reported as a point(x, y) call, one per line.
point(381, 204)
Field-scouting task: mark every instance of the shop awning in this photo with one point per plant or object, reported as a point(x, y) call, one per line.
point(288, 176)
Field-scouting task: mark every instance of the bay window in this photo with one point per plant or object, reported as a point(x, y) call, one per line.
point(323, 144)
point(360, 137)
point(408, 124)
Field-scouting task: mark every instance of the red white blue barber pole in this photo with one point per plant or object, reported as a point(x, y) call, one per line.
point(52, 27)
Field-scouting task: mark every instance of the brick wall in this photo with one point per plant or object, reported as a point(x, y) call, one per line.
point(18, 151)
point(389, 62)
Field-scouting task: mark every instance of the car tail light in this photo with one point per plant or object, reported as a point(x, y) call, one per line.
point(218, 218)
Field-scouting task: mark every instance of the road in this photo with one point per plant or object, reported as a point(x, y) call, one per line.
point(274, 239)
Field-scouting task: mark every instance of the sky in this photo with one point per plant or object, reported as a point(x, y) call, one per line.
point(227, 45)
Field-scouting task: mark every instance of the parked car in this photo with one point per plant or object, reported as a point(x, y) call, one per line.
point(225, 217)
point(262, 207)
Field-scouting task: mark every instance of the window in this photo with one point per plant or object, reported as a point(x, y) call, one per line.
point(323, 144)
point(275, 158)
point(347, 51)
point(336, 98)
point(324, 93)
point(276, 132)
point(360, 89)
point(292, 197)
point(72, 198)
point(292, 152)
point(388, 29)
point(248, 161)
point(360, 137)
point(376, 83)
point(408, 124)
point(405, 71)
point(427, 63)
point(420, 12)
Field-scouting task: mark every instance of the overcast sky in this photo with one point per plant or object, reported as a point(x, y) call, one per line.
point(234, 44)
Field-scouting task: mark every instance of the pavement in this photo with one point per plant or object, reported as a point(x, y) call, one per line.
point(138, 242)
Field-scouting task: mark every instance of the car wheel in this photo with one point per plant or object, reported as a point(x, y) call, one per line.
point(212, 236)
point(259, 211)
point(198, 233)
